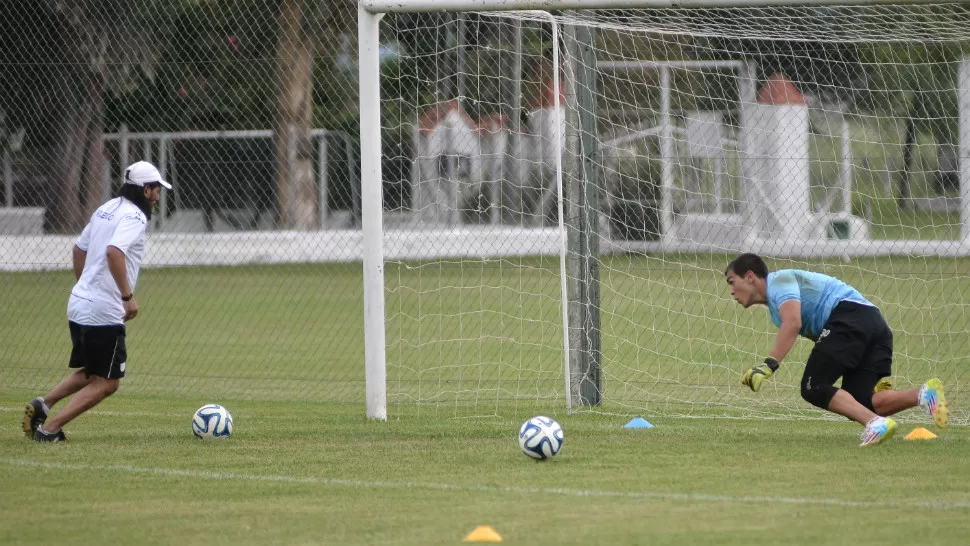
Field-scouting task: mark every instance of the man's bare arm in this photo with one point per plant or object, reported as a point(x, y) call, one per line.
point(78, 257)
point(791, 322)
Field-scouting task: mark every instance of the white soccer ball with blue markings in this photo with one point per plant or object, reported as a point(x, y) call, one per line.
point(212, 421)
point(540, 437)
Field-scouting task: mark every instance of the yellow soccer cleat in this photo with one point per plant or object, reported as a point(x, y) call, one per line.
point(933, 402)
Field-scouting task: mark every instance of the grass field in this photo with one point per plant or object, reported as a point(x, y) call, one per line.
point(486, 334)
point(315, 473)
point(474, 349)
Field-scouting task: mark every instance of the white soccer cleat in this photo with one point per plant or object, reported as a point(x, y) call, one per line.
point(878, 430)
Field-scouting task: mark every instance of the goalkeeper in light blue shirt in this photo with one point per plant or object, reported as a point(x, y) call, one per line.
point(852, 341)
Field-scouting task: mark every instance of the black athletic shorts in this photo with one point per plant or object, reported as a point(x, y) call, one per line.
point(858, 338)
point(99, 350)
point(855, 344)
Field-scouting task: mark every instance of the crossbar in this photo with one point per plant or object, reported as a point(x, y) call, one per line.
point(412, 6)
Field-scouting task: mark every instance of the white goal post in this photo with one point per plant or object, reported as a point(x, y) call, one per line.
point(372, 213)
point(740, 228)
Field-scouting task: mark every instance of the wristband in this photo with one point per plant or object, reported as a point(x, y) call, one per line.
point(772, 364)
point(129, 296)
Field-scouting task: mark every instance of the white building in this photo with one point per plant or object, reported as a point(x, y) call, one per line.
point(449, 168)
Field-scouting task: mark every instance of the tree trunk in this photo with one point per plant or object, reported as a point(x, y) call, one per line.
point(66, 153)
point(904, 200)
point(74, 151)
point(948, 168)
point(92, 191)
point(297, 195)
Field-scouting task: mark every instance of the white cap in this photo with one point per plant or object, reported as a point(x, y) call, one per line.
point(143, 172)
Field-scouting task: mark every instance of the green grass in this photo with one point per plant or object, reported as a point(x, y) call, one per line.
point(302, 473)
point(475, 348)
point(877, 151)
point(480, 333)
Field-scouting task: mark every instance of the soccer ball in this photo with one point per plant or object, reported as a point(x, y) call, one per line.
point(212, 421)
point(540, 437)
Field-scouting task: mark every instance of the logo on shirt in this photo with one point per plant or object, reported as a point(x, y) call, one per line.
point(825, 332)
point(136, 216)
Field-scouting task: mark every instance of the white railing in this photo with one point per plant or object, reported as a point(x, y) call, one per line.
point(156, 147)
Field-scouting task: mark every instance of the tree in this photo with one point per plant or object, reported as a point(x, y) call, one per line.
point(293, 142)
point(167, 66)
point(59, 58)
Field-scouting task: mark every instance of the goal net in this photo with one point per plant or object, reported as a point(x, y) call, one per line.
point(578, 182)
point(544, 203)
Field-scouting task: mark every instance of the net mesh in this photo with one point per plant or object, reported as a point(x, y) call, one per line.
point(826, 138)
point(786, 131)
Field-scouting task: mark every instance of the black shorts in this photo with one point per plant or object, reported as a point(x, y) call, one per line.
point(858, 338)
point(855, 344)
point(99, 350)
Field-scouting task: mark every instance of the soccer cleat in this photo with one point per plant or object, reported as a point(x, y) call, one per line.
point(933, 402)
point(42, 435)
point(884, 384)
point(34, 416)
point(878, 430)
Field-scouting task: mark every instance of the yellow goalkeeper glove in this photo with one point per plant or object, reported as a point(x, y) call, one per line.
point(757, 374)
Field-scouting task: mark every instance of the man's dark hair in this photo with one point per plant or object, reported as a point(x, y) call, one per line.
point(136, 194)
point(748, 262)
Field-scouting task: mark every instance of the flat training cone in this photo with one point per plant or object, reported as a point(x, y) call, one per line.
point(638, 422)
point(920, 433)
point(483, 533)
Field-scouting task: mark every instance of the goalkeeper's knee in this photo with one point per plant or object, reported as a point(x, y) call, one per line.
point(817, 394)
point(862, 395)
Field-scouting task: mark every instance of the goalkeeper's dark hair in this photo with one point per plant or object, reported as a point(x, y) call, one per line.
point(748, 262)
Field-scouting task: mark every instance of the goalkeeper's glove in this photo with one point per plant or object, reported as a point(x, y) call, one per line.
point(757, 374)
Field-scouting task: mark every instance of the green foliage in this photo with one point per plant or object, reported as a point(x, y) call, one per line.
point(216, 65)
point(914, 80)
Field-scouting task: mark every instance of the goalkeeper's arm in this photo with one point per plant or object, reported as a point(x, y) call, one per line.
point(791, 322)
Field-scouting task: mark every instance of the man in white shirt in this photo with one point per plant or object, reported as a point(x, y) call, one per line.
point(106, 257)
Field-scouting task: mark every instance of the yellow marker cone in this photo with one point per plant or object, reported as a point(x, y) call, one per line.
point(483, 533)
point(920, 433)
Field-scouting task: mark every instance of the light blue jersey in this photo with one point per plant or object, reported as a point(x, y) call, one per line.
point(818, 294)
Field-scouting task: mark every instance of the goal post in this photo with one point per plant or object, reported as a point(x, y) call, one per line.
point(584, 386)
point(372, 212)
point(581, 365)
point(574, 255)
point(964, 122)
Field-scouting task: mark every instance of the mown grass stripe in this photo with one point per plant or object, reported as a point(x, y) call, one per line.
point(465, 488)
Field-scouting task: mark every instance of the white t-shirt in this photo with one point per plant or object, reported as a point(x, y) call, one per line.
point(96, 299)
